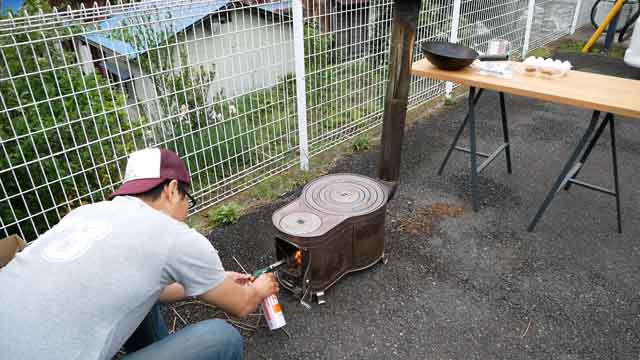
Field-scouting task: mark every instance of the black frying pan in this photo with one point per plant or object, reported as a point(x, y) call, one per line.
point(450, 56)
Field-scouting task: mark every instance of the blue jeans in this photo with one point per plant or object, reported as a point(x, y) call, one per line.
point(206, 340)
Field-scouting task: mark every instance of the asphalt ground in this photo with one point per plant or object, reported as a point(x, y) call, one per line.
point(476, 285)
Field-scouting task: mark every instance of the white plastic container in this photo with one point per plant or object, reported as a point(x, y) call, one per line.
point(545, 68)
point(273, 312)
point(632, 55)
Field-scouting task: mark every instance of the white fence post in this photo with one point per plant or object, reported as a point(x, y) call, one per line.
point(455, 24)
point(576, 15)
point(301, 94)
point(527, 32)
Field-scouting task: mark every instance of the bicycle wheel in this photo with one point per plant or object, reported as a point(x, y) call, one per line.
point(627, 29)
point(601, 8)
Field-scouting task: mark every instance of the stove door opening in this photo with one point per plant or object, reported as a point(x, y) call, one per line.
point(290, 276)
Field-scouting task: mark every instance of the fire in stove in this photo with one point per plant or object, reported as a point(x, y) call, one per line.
point(335, 227)
point(290, 275)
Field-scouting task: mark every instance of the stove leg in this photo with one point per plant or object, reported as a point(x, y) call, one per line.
point(305, 304)
point(320, 298)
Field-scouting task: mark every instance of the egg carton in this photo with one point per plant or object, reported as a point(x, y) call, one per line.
point(548, 68)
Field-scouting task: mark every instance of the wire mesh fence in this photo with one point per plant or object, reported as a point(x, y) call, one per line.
point(213, 80)
point(80, 91)
point(552, 19)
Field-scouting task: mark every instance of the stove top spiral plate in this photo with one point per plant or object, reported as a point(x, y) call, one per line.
point(300, 223)
point(344, 195)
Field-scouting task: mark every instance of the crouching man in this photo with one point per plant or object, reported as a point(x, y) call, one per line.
point(91, 284)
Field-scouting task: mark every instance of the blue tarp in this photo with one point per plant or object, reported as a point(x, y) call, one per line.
point(158, 22)
point(10, 5)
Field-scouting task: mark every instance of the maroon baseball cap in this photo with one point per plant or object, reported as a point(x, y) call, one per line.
point(149, 168)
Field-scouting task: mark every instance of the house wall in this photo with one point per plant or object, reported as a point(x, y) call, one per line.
point(249, 52)
point(84, 57)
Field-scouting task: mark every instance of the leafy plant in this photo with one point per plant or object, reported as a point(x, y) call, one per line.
point(449, 100)
point(360, 143)
point(298, 179)
point(225, 214)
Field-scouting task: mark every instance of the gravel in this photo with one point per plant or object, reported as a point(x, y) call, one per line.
point(465, 285)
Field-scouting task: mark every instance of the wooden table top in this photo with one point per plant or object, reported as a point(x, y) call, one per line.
point(577, 88)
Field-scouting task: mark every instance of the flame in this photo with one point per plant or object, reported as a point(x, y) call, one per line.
point(297, 258)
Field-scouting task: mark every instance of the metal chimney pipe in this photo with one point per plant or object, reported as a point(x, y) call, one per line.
point(405, 19)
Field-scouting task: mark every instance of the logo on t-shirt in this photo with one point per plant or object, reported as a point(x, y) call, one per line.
point(72, 238)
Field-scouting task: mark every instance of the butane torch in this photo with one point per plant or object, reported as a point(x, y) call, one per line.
point(270, 305)
point(271, 267)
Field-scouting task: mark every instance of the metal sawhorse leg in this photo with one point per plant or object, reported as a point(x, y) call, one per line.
point(572, 167)
point(471, 120)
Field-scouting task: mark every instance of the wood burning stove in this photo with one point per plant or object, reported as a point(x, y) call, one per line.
point(336, 226)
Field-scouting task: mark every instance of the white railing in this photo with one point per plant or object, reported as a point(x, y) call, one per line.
point(220, 82)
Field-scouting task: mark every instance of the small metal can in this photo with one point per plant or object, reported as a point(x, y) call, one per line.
point(273, 312)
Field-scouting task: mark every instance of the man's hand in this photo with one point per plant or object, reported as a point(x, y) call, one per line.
point(241, 300)
point(239, 278)
point(266, 285)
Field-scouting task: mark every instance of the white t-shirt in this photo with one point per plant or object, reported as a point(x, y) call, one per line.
point(81, 289)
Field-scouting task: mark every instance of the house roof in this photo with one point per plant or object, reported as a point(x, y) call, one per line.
point(115, 33)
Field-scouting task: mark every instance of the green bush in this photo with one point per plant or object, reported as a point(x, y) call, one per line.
point(57, 128)
point(340, 94)
point(449, 100)
point(225, 215)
